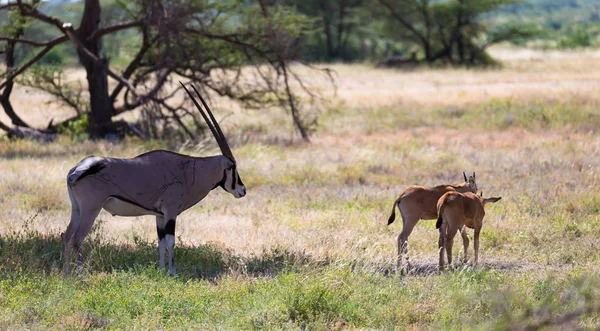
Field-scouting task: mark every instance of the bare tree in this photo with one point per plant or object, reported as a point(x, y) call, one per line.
point(231, 48)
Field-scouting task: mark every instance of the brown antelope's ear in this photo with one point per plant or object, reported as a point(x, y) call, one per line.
point(491, 200)
point(465, 175)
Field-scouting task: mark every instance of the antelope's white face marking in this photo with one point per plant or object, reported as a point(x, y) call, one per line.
point(233, 183)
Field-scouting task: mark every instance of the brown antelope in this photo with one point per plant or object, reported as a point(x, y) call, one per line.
point(159, 183)
point(420, 202)
point(456, 212)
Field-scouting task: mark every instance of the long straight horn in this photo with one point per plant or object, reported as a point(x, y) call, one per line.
point(465, 175)
point(225, 146)
point(216, 131)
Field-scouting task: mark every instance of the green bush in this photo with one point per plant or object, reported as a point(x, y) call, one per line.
point(579, 37)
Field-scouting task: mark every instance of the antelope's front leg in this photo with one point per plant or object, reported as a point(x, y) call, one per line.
point(170, 238)
point(166, 241)
point(162, 242)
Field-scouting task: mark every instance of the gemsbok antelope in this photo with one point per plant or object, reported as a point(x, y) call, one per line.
point(159, 183)
point(456, 212)
point(420, 202)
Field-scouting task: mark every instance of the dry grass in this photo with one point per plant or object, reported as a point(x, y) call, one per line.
point(330, 199)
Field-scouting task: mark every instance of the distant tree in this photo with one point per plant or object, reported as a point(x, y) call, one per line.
point(452, 31)
point(234, 49)
point(336, 25)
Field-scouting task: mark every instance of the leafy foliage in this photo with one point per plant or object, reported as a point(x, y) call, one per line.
point(237, 50)
point(449, 31)
point(567, 24)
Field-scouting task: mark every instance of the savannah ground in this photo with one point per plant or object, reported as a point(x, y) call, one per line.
point(308, 247)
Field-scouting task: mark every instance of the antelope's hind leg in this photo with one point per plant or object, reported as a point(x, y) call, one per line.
point(408, 224)
point(66, 240)
point(69, 232)
point(449, 241)
point(465, 238)
point(87, 218)
point(441, 245)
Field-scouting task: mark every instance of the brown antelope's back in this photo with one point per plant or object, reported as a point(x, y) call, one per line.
point(420, 202)
point(464, 208)
point(424, 199)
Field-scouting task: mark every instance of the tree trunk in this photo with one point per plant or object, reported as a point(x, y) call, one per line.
point(100, 121)
point(327, 27)
point(9, 56)
point(460, 45)
point(427, 50)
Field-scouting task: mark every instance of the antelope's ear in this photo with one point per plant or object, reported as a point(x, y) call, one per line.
point(491, 200)
point(465, 176)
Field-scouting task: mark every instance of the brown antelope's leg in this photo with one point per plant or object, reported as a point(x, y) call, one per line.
point(407, 227)
point(449, 241)
point(476, 245)
point(85, 225)
point(441, 245)
point(465, 238)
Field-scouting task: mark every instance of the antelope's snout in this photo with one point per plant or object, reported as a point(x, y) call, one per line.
point(240, 192)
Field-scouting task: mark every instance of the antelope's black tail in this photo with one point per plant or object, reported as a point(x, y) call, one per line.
point(393, 215)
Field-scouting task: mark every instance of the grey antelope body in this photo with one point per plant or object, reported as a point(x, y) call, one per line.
point(420, 202)
point(158, 183)
point(456, 212)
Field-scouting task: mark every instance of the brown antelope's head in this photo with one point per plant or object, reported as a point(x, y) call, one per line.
point(471, 182)
point(231, 181)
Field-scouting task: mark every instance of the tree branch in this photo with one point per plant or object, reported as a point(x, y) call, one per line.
point(33, 60)
point(27, 41)
point(404, 22)
point(28, 10)
point(133, 65)
point(5, 127)
point(114, 28)
point(9, 6)
point(84, 50)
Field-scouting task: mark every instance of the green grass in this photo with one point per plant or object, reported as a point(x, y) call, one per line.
point(572, 111)
point(308, 247)
point(122, 289)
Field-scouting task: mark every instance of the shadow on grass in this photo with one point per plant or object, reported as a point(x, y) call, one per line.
point(42, 253)
point(427, 268)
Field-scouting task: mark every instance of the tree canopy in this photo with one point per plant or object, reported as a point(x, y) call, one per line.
point(242, 49)
point(208, 43)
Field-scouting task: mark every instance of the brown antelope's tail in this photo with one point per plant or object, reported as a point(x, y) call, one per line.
point(440, 209)
point(393, 215)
